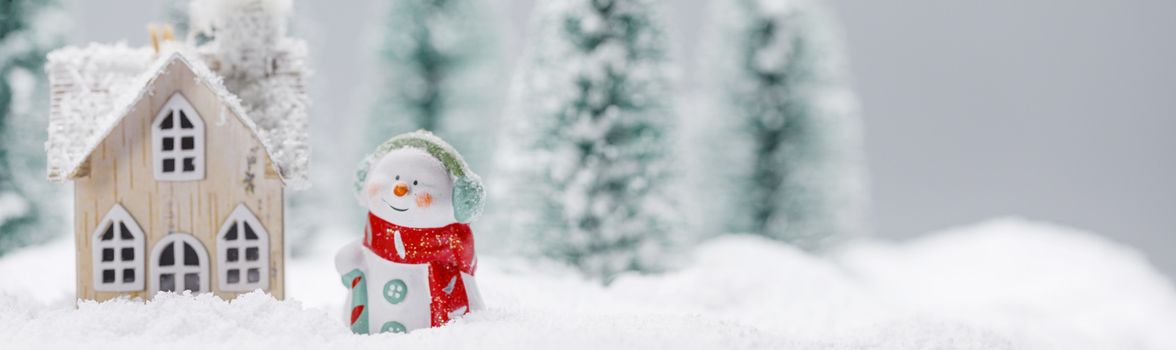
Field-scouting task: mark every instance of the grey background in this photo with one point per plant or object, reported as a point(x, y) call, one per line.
point(1051, 111)
point(1058, 111)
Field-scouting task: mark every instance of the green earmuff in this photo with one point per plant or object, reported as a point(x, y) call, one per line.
point(468, 193)
point(468, 198)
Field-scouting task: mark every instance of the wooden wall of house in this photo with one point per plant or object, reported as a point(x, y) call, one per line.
point(120, 171)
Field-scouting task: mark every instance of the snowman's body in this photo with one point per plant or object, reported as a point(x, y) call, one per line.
point(417, 261)
point(398, 295)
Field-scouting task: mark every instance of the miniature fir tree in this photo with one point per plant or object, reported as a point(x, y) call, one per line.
point(28, 30)
point(786, 125)
point(247, 39)
point(588, 172)
point(438, 74)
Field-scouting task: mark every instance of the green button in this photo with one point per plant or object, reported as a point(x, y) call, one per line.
point(394, 327)
point(395, 291)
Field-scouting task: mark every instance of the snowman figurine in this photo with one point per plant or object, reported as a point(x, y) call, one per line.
point(414, 267)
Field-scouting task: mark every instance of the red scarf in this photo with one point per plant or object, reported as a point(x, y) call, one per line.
point(448, 250)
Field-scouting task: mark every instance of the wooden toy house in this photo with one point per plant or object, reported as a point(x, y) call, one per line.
point(177, 185)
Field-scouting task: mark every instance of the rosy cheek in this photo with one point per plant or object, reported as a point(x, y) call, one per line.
point(424, 200)
point(373, 190)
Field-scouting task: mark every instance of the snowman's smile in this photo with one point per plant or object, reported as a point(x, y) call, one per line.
point(391, 206)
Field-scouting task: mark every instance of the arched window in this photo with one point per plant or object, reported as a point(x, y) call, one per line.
point(242, 248)
point(177, 141)
point(179, 263)
point(116, 250)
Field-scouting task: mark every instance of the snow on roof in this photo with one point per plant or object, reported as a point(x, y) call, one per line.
point(93, 88)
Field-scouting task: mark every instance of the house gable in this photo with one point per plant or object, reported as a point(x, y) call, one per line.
point(176, 74)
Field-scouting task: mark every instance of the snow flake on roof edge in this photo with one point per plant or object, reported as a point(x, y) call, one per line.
point(94, 87)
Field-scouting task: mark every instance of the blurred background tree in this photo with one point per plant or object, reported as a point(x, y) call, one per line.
point(784, 148)
point(248, 37)
point(439, 72)
point(588, 171)
point(31, 209)
point(177, 14)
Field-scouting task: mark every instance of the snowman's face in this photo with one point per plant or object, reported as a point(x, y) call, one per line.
point(410, 188)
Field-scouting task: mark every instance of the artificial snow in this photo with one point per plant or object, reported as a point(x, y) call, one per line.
point(94, 87)
point(1005, 283)
point(266, 69)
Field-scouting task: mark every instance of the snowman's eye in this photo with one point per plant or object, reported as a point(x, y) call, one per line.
point(397, 177)
point(414, 182)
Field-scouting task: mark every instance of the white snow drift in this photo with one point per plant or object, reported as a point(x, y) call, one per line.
point(1001, 284)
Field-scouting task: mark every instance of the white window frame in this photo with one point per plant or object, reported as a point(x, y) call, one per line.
point(115, 218)
point(178, 268)
point(239, 218)
point(174, 106)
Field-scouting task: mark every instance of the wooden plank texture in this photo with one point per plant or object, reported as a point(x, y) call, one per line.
point(120, 171)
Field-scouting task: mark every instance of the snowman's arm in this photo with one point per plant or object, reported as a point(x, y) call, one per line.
point(349, 264)
point(350, 257)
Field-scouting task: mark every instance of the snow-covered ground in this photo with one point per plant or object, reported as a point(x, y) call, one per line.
point(1005, 283)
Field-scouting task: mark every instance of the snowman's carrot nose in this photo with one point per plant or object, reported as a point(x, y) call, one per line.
point(400, 190)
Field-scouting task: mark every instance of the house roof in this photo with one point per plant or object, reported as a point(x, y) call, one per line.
point(94, 87)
